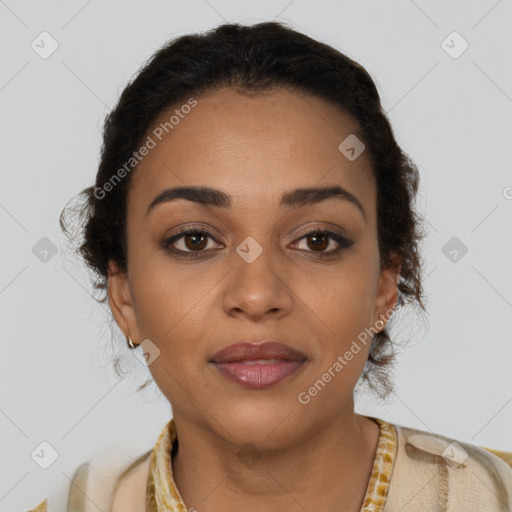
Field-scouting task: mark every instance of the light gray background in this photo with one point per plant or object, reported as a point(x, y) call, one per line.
point(452, 116)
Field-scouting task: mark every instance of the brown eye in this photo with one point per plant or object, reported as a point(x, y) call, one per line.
point(193, 241)
point(318, 241)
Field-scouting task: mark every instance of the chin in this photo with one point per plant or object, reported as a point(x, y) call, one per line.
point(263, 423)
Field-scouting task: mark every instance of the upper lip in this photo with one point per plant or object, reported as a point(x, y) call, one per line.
point(245, 351)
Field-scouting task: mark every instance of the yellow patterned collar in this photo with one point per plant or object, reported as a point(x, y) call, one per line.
point(162, 494)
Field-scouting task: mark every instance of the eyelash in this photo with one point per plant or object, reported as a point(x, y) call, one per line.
point(343, 242)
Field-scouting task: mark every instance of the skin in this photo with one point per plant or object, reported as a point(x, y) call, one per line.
point(317, 456)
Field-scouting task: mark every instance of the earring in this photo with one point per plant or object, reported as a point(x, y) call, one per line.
point(130, 343)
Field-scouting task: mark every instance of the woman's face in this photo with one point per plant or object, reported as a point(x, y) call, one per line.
point(255, 276)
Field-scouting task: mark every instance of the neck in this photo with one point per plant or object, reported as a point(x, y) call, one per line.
point(329, 470)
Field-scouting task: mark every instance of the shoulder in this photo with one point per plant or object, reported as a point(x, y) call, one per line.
point(105, 482)
point(95, 485)
point(434, 472)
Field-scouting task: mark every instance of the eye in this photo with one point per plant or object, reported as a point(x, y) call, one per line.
point(193, 242)
point(321, 240)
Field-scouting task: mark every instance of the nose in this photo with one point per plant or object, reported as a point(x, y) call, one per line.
point(258, 288)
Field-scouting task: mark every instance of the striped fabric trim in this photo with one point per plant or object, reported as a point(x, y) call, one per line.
point(383, 464)
point(42, 507)
point(163, 494)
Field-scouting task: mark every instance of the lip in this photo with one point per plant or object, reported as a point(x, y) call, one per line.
point(258, 365)
point(245, 351)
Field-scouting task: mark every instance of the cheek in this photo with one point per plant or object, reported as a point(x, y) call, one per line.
point(341, 317)
point(168, 297)
point(171, 311)
point(173, 308)
point(339, 307)
point(341, 303)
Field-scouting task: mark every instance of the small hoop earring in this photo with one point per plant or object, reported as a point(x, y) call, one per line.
point(379, 322)
point(130, 343)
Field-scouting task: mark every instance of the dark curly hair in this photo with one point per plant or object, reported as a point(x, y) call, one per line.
point(251, 60)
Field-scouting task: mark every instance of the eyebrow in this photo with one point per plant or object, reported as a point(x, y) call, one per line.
point(297, 198)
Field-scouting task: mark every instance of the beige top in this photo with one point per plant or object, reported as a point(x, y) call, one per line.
point(413, 471)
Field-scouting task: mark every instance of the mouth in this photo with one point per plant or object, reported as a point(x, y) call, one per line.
point(258, 365)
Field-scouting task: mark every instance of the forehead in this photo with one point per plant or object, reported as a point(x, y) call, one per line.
point(255, 148)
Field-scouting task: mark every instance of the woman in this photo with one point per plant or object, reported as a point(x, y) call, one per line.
point(252, 225)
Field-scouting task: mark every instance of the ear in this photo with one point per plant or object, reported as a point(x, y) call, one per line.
point(120, 301)
point(387, 293)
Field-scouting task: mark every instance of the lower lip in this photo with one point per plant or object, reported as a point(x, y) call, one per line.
point(259, 376)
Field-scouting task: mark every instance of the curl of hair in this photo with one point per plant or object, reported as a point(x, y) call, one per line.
point(252, 60)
